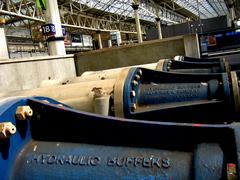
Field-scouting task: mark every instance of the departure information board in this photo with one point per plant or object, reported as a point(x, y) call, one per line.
point(219, 42)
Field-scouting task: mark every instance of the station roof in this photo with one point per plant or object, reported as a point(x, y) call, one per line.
point(112, 14)
point(171, 11)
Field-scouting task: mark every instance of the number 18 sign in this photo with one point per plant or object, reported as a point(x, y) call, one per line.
point(48, 29)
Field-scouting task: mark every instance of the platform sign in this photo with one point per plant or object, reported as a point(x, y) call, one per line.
point(48, 29)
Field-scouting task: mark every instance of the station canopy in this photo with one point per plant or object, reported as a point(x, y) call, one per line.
point(110, 15)
point(171, 11)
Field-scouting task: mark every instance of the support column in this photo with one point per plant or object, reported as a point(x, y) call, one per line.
point(109, 43)
point(99, 39)
point(138, 26)
point(159, 28)
point(3, 44)
point(229, 20)
point(56, 45)
point(232, 15)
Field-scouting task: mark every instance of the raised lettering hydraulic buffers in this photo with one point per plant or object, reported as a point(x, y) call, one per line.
point(58, 142)
point(160, 96)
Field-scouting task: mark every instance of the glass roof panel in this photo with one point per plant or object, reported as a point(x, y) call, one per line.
point(123, 7)
point(204, 8)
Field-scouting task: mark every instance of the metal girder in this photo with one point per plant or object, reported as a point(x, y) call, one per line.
point(27, 9)
point(162, 12)
point(71, 18)
point(148, 10)
point(204, 8)
point(235, 4)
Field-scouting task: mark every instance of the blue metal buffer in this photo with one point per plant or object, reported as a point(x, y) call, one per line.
point(58, 142)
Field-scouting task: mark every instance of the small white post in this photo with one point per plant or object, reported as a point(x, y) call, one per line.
point(3, 44)
point(99, 40)
point(56, 47)
point(158, 20)
point(138, 25)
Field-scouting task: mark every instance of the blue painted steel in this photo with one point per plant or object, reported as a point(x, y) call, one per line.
point(171, 142)
point(10, 148)
point(191, 59)
point(193, 67)
point(193, 97)
point(128, 87)
point(168, 93)
point(58, 142)
point(234, 65)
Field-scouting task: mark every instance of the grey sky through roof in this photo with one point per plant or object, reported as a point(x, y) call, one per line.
point(147, 11)
point(113, 12)
point(204, 8)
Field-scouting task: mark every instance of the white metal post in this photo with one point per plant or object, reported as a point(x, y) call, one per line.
point(229, 20)
point(99, 40)
point(109, 43)
point(3, 44)
point(138, 26)
point(56, 47)
point(232, 15)
point(159, 28)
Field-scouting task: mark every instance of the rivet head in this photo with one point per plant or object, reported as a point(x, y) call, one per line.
point(137, 77)
point(133, 107)
point(139, 72)
point(23, 112)
point(134, 83)
point(133, 93)
point(7, 129)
